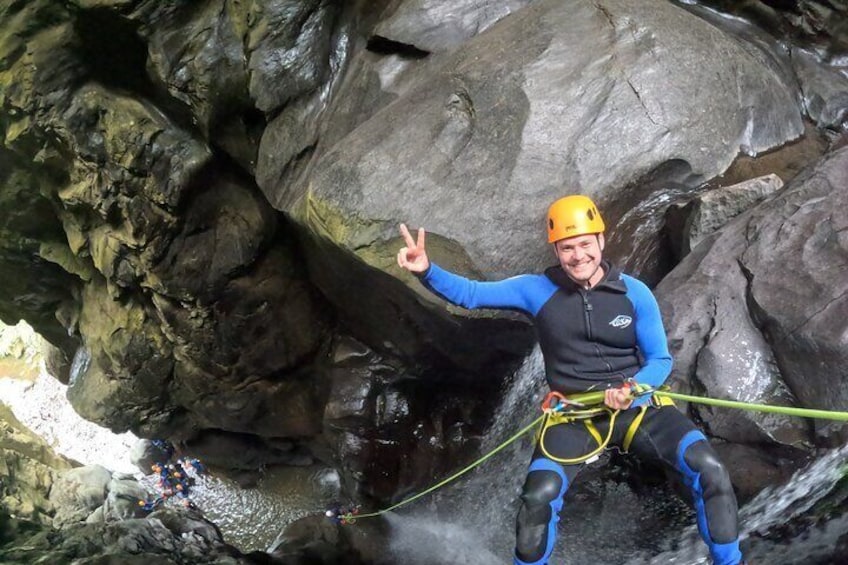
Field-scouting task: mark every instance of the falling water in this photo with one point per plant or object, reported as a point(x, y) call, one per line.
point(773, 508)
point(79, 365)
point(470, 521)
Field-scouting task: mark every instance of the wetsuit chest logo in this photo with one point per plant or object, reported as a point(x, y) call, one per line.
point(621, 321)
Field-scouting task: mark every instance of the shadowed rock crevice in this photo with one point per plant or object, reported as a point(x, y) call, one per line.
point(112, 50)
point(377, 306)
point(638, 239)
point(114, 53)
point(390, 431)
point(386, 46)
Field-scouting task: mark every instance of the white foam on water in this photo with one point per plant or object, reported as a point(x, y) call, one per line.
point(430, 540)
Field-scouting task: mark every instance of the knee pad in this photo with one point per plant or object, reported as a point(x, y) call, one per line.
point(542, 488)
point(715, 502)
point(702, 459)
point(539, 513)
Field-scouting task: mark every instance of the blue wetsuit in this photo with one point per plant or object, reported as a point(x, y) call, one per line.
point(596, 339)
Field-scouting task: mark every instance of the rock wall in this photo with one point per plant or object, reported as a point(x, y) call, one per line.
point(199, 203)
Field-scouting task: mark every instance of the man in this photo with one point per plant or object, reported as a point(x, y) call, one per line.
point(598, 329)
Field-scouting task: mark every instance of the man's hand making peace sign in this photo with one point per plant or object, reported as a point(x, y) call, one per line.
point(413, 257)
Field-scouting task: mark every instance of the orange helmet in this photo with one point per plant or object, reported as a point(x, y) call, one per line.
point(572, 216)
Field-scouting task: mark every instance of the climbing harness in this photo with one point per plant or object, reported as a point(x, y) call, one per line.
point(557, 409)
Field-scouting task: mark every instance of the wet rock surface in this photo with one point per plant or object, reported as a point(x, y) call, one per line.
point(753, 332)
point(199, 205)
point(521, 112)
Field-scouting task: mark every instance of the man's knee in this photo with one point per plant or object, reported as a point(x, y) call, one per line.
point(702, 459)
point(541, 500)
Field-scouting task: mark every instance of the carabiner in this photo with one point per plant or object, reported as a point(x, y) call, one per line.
point(555, 401)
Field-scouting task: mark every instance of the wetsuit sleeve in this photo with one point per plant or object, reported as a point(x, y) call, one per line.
point(650, 334)
point(513, 293)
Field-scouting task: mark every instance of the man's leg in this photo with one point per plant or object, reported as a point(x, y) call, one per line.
point(541, 501)
point(668, 435)
point(541, 497)
point(712, 492)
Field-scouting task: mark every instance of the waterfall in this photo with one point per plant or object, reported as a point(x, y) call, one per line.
point(471, 520)
point(79, 365)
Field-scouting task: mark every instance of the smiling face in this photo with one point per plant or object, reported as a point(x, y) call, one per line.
point(580, 258)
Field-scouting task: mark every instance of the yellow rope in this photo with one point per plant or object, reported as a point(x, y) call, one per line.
point(573, 461)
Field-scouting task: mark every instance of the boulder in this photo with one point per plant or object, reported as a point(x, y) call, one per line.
point(797, 290)
point(122, 501)
point(166, 536)
point(710, 210)
point(433, 26)
point(122, 339)
point(481, 140)
point(79, 492)
point(315, 539)
point(757, 311)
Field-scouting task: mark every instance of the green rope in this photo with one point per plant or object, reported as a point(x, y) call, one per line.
point(351, 518)
point(597, 397)
point(786, 410)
